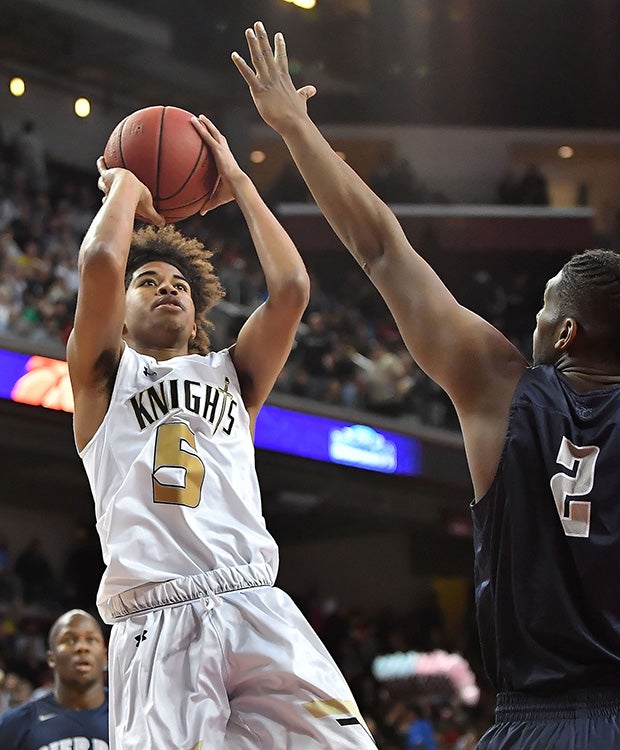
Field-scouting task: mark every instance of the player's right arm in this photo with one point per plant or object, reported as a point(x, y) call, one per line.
point(95, 344)
point(472, 361)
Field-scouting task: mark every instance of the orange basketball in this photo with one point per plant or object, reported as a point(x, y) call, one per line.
point(162, 148)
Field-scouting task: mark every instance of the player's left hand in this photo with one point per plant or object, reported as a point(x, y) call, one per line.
point(145, 210)
point(227, 166)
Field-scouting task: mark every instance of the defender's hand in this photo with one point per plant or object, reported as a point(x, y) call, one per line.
point(276, 98)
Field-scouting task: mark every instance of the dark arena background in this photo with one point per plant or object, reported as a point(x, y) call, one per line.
point(492, 129)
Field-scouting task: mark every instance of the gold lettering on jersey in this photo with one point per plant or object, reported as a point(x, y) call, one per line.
point(216, 404)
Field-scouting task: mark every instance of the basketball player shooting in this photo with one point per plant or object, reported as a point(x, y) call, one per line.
point(204, 652)
point(542, 444)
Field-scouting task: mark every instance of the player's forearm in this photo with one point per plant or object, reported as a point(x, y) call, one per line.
point(282, 265)
point(109, 235)
point(360, 219)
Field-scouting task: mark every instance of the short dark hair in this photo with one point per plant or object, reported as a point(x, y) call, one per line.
point(191, 257)
point(63, 619)
point(589, 290)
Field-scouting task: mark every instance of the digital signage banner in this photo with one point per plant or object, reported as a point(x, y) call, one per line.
point(41, 381)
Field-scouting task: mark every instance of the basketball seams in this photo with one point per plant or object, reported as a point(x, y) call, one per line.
point(120, 143)
point(159, 148)
point(188, 178)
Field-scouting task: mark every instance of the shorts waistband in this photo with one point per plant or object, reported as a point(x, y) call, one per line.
point(580, 704)
point(179, 590)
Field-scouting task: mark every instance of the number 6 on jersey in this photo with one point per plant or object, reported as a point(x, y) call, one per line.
point(178, 473)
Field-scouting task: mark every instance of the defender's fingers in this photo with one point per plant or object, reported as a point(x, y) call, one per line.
point(246, 71)
point(264, 44)
point(280, 54)
point(256, 54)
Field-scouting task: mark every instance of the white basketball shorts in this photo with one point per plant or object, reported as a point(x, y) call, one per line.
point(233, 670)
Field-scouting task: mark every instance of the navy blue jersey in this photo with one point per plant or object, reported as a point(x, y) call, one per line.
point(547, 541)
point(44, 725)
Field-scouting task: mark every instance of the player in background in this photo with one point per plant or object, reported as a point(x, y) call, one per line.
point(75, 713)
point(542, 444)
point(204, 652)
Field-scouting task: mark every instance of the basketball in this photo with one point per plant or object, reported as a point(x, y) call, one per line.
point(161, 147)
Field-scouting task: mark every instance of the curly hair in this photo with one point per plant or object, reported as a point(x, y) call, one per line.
point(589, 289)
point(191, 257)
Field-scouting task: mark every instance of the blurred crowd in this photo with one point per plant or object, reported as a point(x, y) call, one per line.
point(348, 352)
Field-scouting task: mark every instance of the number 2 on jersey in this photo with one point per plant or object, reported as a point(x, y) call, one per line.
point(178, 473)
point(574, 514)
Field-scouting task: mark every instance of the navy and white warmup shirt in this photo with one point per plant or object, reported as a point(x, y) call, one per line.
point(45, 725)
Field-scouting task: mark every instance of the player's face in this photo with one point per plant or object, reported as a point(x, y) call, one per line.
point(159, 310)
point(544, 352)
point(77, 653)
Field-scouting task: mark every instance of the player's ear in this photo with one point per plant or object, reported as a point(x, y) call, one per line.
point(566, 335)
point(51, 660)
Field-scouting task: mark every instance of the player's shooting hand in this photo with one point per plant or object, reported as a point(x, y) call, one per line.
point(228, 168)
point(145, 210)
point(277, 100)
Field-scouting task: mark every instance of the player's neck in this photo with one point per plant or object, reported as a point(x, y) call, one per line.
point(589, 378)
point(80, 700)
point(159, 351)
point(161, 354)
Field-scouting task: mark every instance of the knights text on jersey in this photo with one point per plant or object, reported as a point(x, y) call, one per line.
point(547, 541)
point(44, 725)
point(172, 473)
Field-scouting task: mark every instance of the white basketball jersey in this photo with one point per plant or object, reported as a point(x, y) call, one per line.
point(172, 473)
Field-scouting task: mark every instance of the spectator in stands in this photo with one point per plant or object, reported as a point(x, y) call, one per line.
point(312, 354)
point(409, 725)
point(533, 188)
point(14, 691)
point(10, 251)
point(75, 713)
point(288, 188)
point(509, 187)
point(386, 379)
point(343, 374)
point(394, 180)
point(83, 569)
point(528, 188)
point(30, 156)
point(35, 574)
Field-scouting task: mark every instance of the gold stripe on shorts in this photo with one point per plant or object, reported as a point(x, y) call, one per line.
point(331, 707)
